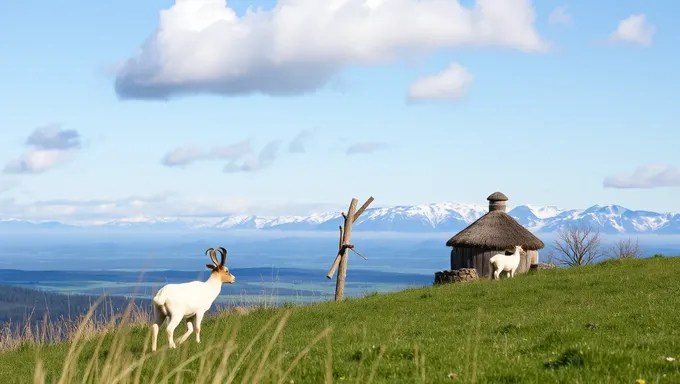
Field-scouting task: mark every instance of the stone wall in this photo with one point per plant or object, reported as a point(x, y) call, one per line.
point(455, 276)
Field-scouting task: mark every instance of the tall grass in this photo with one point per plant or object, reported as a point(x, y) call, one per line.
point(61, 329)
point(218, 359)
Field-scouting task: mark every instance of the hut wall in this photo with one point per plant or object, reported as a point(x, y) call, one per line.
point(478, 258)
point(533, 257)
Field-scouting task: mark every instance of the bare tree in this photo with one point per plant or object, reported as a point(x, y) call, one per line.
point(578, 245)
point(550, 256)
point(625, 249)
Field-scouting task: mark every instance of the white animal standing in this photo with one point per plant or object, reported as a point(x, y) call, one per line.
point(189, 301)
point(504, 263)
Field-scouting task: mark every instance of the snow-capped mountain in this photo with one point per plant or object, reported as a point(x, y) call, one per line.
point(534, 217)
point(280, 222)
point(612, 219)
point(437, 217)
point(452, 217)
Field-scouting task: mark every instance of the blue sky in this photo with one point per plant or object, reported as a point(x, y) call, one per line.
point(551, 111)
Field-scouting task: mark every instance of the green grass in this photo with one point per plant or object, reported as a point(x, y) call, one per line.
point(613, 322)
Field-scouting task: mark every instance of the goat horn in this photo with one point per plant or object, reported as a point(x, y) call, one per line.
point(224, 255)
point(213, 257)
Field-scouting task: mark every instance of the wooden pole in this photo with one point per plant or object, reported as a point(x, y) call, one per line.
point(344, 246)
point(346, 235)
point(337, 257)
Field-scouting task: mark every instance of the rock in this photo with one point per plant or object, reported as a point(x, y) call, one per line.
point(455, 276)
point(546, 266)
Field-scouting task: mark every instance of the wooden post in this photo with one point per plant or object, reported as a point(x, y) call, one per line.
point(344, 246)
point(346, 234)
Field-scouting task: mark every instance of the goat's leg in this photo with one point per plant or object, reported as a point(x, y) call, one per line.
point(197, 324)
point(159, 318)
point(175, 319)
point(190, 329)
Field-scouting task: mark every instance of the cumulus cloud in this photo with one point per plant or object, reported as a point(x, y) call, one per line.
point(160, 206)
point(49, 146)
point(264, 159)
point(365, 147)
point(560, 16)
point(297, 145)
point(646, 176)
point(53, 137)
point(635, 30)
point(203, 46)
point(451, 83)
point(186, 155)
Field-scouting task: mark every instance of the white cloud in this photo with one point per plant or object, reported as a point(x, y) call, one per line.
point(53, 137)
point(164, 205)
point(635, 29)
point(646, 176)
point(450, 83)
point(49, 146)
point(299, 142)
point(202, 46)
point(560, 16)
point(188, 154)
point(264, 159)
point(37, 161)
point(365, 147)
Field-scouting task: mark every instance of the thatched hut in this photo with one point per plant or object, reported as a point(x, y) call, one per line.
point(495, 232)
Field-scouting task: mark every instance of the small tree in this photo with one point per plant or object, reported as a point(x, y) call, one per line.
point(578, 245)
point(550, 256)
point(625, 249)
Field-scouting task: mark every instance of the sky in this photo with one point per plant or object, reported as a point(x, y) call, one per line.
point(208, 108)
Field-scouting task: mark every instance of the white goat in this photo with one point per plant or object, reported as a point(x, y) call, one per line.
point(504, 263)
point(189, 301)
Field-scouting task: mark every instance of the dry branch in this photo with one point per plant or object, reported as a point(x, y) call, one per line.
point(336, 262)
point(363, 208)
point(359, 254)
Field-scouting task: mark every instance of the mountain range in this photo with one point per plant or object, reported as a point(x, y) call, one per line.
point(437, 217)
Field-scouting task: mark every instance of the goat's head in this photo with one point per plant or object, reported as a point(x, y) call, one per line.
point(518, 248)
point(218, 267)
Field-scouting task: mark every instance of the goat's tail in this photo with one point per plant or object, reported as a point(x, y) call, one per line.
point(159, 300)
point(491, 269)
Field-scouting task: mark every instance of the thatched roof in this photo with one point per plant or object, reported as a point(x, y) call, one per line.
point(497, 196)
point(496, 230)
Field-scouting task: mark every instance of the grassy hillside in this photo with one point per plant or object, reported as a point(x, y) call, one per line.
point(614, 322)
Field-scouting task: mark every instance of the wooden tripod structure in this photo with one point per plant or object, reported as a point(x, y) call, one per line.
point(344, 246)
